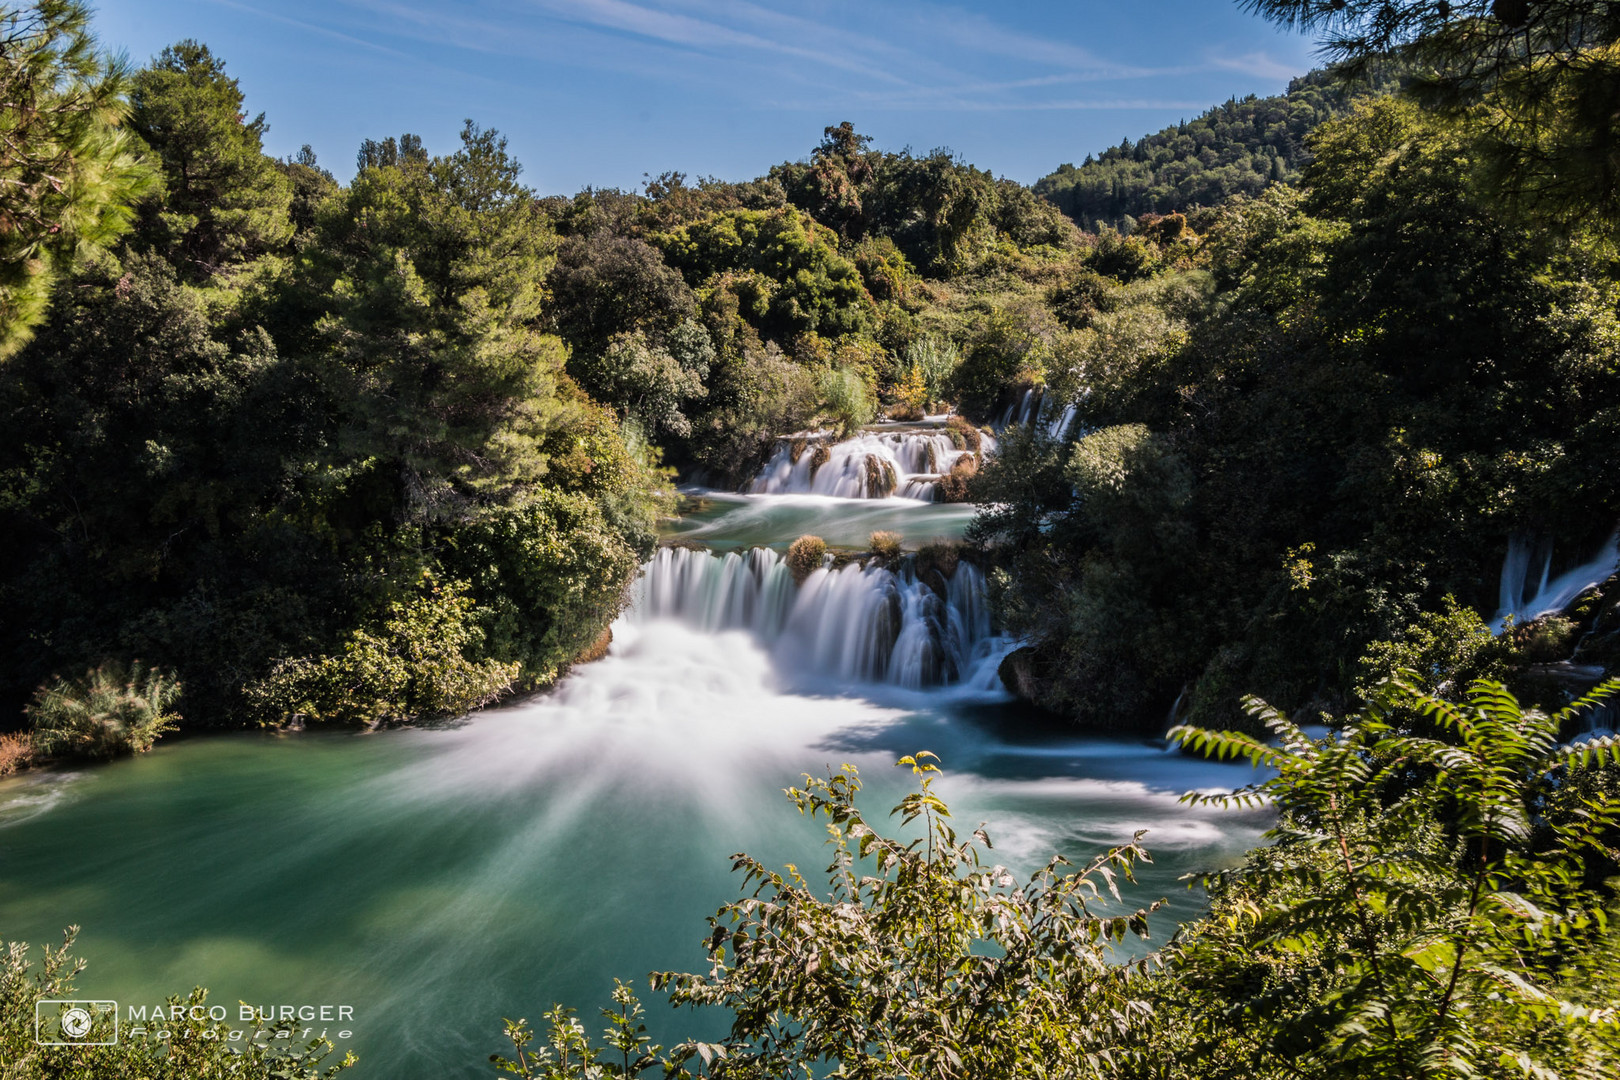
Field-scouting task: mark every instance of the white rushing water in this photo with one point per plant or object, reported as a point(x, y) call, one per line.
point(1527, 560)
point(852, 623)
point(872, 465)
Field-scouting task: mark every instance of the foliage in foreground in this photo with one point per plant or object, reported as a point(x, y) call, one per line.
point(1433, 904)
point(918, 959)
point(70, 169)
point(209, 1052)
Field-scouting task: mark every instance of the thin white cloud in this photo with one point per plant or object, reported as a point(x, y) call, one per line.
point(1255, 63)
point(902, 54)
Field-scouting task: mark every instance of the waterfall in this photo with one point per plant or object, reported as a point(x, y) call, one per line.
point(1025, 410)
point(872, 465)
point(866, 624)
point(1035, 408)
point(1552, 594)
point(1059, 425)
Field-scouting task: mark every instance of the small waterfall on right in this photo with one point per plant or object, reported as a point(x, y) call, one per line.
point(856, 623)
point(1529, 557)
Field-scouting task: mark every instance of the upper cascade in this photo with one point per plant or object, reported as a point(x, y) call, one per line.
point(866, 624)
point(873, 465)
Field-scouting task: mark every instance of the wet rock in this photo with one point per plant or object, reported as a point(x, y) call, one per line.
point(936, 565)
point(1020, 674)
point(819, 457)
point(964, 436)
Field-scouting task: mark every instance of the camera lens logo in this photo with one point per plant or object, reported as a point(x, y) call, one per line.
point(76, 1023)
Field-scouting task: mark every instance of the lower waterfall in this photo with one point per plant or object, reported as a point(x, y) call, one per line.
point(854, 623)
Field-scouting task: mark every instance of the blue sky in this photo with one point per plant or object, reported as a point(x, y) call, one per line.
point(599, 92)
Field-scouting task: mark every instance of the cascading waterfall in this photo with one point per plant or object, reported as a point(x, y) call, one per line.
point(872, 465)
point(1023, 411)
point(1552, 594)
point(1033, 408)
point(855, 623)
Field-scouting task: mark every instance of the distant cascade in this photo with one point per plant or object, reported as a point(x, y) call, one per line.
point(1528, 559)
point(872, 465)
point(1022, 411)
point(869, 624)
point(1035, 408)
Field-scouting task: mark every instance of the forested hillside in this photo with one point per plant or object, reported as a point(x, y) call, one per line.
point(382, 451)
point(1241, 147)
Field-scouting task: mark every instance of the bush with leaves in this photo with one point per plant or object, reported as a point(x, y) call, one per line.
point(111, 710)
point(846, 400)
point(212, 1050)
point(1424, 903)
point(918, 960)
point(412, 666)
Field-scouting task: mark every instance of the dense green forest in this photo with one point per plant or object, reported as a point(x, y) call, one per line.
point(1238, 148)
point(285, 450)
point(389, 450)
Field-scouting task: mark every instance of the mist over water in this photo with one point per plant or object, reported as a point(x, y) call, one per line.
point(438, 879)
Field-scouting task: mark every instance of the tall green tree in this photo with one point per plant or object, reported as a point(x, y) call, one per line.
point(223, 199)
point(68, 170)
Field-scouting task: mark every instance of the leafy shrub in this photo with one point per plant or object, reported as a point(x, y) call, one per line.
point(214, 1052)
point(1445, 650)
point(1010, 349)
point(1426, 909)
point(413, 666)
point(846, 401)
point(110, 711)
point(1545, 640)
point(918, 958)
point(911, 397)
point(935, 358)
point(805, 555)
point(946, 966)
point(884, 544)
point(548, 574)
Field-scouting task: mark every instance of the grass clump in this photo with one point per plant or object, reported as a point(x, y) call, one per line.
point(110, 711)
point(885, 544)
point(16, 752)
point(806, 555)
